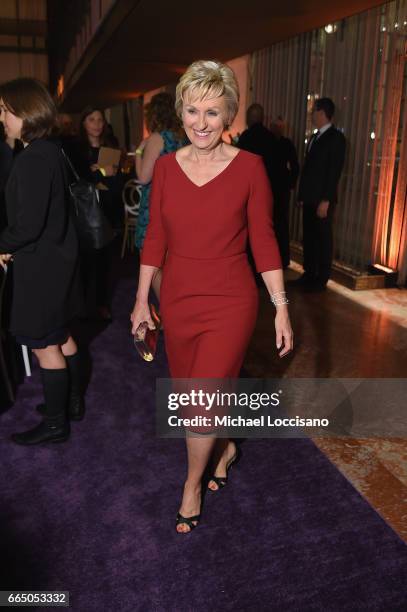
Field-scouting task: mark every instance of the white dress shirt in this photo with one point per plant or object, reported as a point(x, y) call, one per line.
point(318, 134)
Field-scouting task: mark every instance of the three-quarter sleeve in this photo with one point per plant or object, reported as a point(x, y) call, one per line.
point(260, 221)
point(155, 242)
point(31, 199)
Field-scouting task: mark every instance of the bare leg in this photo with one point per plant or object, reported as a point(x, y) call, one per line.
point(51, 357)
point(224, 451)
point(69, 348)
point(199, 450)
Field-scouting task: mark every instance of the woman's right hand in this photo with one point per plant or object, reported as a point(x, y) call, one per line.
point(141, 313)
point(107, 170)
point(4, 259)
point(110, 170)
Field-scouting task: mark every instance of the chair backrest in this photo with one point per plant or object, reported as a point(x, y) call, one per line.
point(131, 195)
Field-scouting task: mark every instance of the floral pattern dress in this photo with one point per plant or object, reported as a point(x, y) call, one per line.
point(171, 144)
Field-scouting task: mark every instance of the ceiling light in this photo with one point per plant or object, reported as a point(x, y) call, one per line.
point(329, 28)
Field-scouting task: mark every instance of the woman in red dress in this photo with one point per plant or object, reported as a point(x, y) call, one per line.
point(207, 199)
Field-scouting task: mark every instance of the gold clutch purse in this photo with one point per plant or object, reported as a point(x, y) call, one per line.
point(145, 339)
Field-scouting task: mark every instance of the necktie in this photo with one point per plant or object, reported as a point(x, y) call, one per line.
point(313, 139)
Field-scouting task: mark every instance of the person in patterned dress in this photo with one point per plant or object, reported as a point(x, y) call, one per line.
point(166, 136)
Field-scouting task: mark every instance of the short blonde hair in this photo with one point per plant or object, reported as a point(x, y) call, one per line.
point(209, 79)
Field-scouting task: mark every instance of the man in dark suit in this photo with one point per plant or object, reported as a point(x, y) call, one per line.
point(257, 138)
point(317, 194)
point(284, 174)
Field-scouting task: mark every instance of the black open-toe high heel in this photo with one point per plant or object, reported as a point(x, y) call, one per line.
point(221, 481)
point(188, 520)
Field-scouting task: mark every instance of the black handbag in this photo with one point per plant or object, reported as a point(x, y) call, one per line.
point(93, 228)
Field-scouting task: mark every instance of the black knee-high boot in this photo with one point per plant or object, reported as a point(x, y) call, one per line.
point(76, 403)
point(55, 426)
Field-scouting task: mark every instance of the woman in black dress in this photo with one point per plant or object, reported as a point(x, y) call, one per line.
point(84, 155)
point(41, 241)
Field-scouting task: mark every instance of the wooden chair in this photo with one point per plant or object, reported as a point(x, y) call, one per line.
point(131, 195)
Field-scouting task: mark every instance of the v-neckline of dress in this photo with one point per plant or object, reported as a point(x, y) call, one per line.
point(210, 180)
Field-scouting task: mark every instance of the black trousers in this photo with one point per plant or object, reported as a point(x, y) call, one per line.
point(281, 211)
point(317, 238)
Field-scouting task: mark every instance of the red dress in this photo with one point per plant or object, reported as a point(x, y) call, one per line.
point(198, 235)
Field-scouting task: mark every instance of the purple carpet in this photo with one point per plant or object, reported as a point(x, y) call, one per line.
point(96, 516)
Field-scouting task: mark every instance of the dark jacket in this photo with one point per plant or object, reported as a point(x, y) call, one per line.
point(41, 236)
point(259, 140)
point(6, 161)
point(322, 168)
point(285, 167)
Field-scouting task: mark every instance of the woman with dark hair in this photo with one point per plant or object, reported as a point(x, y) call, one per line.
point(84, 154)
point(94, 133)
point(166, 136)
point(41, 241)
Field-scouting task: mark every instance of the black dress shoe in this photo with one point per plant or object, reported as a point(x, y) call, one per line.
point(43, 433)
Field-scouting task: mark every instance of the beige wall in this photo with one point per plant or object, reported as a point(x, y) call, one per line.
point(23, 63)
point(14, 65)
point(27, 9)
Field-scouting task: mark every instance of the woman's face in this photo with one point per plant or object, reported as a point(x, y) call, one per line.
point(204, 120)
point(94, 124)
point(12, 124)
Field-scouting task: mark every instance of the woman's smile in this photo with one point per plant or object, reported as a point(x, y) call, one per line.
point(202, 134)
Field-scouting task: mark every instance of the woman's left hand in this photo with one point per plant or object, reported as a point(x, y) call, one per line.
point(105, 170)
point(284, 332)
point(4, 259)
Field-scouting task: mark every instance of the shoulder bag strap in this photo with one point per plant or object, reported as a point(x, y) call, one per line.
point(68, 161)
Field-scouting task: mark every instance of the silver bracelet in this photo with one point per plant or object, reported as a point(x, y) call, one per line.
point(279, 298)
